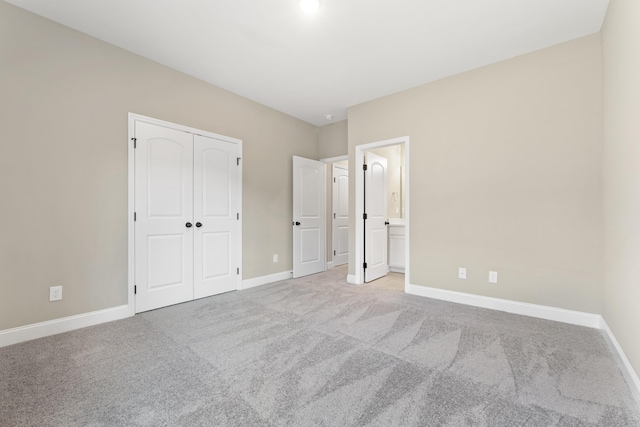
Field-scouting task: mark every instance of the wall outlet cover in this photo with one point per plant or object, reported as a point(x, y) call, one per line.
point(55, 293)
point(462, 273)
point(493, 277)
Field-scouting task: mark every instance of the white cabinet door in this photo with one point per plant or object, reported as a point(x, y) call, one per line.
point(309, 216)
point(164, 216)
point(215, 251)
point(375, 231)
point(340, 215)
point(396, 248)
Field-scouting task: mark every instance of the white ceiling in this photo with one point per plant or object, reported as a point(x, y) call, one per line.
point(349, 52)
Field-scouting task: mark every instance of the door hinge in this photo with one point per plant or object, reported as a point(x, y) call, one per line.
point(364, 265)
point(134, 216)
point(135, 289)
point(134, 142)
point(334, 253)
point(334, 180)
point(364, 216)
point(238, 161)
point(334, 216)
point(238, 271)
point(364, 167)
point(238, 216)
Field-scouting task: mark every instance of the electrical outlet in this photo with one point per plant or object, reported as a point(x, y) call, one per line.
point(462, 273)
point(275, 257)
point(493, 277)
point(55, 293)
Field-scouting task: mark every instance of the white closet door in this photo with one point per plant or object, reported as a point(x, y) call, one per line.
point(375, 228)
point(215, 251)
point(164, 216)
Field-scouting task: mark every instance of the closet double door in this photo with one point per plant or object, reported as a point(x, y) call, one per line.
point(186, 216)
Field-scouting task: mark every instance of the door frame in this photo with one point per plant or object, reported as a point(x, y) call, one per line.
point(132, 118)
point(358, 277)
point(330, 161)
point(334, 231)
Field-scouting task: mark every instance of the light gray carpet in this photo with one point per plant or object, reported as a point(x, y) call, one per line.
point(317, 352)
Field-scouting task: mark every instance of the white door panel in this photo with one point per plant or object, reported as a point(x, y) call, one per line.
point(215, 178)
point(340, 215)
point(376, 222)
point(164, 206)
point(309, 248)
point(309, 223)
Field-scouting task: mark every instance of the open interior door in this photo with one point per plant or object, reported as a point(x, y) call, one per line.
point(340, 215)
point(376, 264)
point(309, 216)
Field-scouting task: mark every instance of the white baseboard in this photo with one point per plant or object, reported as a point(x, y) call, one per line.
point(627, 370)
point(329, 265)
point(397, 269)
point(263, 280)
point(351, 278)
point(65, 324)
point(544, 312)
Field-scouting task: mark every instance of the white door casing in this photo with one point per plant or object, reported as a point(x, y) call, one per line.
point(376, 222)
point(186, 208)
point(358, 200)
point(216, 216)
point(340, 222)
point(309, 217)
point(164, 207)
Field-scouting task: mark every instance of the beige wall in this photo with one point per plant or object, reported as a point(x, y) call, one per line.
point(505, 175)
point(621, 174)
point(332, 140)
point(63, 164)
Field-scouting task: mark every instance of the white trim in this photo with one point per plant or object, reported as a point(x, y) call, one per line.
point(358, 277)
point(329, 265)
point(265, 280)
point(352, 279)
point(396, 269)
point(241, 162)
point(334, 159)
point(132, 118)
point(65, 324)
point(628, 373)
point(534, 310)
point(131, 206)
